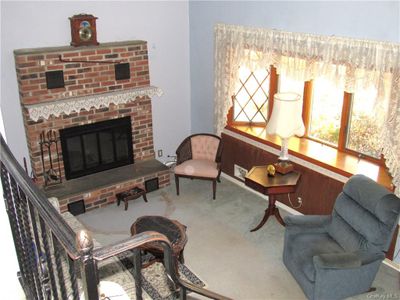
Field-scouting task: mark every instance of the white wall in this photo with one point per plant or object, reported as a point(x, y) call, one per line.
point(164, 25)
point(377, 20)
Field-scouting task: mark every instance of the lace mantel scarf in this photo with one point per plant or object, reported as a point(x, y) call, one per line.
point(354, 63)
point(75, 104)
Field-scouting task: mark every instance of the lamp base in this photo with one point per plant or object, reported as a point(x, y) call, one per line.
point(283, 167)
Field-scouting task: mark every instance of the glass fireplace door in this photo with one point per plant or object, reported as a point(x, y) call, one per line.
point(96, 147)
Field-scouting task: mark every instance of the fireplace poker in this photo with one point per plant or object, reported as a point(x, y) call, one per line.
point(41, 142)
point(51, 173)
point(58, 157)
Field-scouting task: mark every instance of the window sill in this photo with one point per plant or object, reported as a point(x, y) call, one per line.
point(319, 154)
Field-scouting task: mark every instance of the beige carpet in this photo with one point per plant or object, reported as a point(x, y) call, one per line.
point(221, 250)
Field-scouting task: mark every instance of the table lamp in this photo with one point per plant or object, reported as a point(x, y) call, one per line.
point(285, 121)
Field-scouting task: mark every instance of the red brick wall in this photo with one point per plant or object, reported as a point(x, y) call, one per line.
point(105, 196)
point(82, 78)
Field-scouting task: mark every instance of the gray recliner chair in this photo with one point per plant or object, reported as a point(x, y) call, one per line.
point(338, 256)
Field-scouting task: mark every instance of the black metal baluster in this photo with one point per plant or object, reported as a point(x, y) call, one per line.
point(25, 244)
point(59, 266)
point(137, 263)
point(9, 203)
point(37, 244)
point(182, 293)
point(72, 275)
point(31, 255)
point(48, 262)
point(45, 278)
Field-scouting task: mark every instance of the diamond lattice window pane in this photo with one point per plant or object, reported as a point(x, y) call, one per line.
point(244, 73)
point(252, 85)
point(251, 98)
point(263, 78)
point(258, 118)
point(260, 97)
point(242, 97)
point(242, 117)
point(261, 74)
point(251, 109)
point(237, 109)
point(264, 110)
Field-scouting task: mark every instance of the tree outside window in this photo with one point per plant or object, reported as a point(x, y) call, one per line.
point(326, 111)
point(363, 124)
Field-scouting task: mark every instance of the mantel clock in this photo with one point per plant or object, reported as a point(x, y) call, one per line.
point(83, 30)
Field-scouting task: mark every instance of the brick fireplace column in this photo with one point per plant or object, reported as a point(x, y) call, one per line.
point(64, 87)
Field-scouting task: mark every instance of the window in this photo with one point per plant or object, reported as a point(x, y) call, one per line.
point(250, 102)
point(325, 111)
point(363, 124)
point(331, 116)
point(287, 84)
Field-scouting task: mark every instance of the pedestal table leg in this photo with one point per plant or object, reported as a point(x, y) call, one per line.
point(271, 210)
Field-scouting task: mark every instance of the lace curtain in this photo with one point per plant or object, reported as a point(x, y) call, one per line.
point(353, 63)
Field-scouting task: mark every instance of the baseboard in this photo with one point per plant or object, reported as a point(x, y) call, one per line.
point(292, 211)
point(392, 264)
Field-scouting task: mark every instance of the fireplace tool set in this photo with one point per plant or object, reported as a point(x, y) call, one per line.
point(49, 141)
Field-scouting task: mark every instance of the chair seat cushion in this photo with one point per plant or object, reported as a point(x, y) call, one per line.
point(303, 247)
point(197, 167)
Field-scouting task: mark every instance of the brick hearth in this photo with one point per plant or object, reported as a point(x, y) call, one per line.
point(99, 189)
point(86, 79)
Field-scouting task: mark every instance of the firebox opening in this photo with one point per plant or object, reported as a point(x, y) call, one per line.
point(96, 147)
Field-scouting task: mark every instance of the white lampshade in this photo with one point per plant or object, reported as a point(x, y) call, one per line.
point(286, 120)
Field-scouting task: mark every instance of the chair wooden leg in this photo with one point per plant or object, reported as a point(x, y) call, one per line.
point(177, 184)
point(214, 188)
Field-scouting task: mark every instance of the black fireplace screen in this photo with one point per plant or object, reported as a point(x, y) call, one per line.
point(96, 147)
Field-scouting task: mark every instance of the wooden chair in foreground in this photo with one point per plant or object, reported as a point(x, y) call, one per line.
point(199, 157)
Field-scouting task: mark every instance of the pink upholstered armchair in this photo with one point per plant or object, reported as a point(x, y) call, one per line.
point(199, 156)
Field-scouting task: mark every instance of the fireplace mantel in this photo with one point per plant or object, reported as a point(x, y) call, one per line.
point(62, 88)
point(67, 87)
point(70, 105)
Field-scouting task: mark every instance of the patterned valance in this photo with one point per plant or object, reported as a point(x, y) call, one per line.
point(70, 105)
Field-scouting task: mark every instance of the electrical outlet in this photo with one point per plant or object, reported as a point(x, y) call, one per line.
point(299, 200)
point(159, 153)
point(239, 172)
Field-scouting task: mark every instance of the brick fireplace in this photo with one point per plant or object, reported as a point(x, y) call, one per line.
point(66, 87)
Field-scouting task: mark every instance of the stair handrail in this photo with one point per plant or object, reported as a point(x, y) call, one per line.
point(169, 260)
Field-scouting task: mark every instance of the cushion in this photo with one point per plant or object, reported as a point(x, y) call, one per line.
point(370, 231)
point(303, 247)
point(204, 147)
point(345, 260)
point(373, 197)
point(197, 167)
